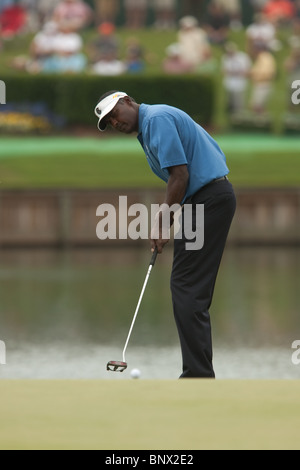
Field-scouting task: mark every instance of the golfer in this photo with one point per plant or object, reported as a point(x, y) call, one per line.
point(188, 159)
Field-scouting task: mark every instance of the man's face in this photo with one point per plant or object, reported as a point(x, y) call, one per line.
point(124, 117)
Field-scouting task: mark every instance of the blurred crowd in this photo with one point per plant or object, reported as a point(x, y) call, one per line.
point(202, 26)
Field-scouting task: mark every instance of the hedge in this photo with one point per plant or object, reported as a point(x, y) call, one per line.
point(75, 97)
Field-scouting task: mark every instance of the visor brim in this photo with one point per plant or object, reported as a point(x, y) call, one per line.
point(101, 125)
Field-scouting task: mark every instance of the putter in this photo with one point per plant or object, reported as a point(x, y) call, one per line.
point(120, 366)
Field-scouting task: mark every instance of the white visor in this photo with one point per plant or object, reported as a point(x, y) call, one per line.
point(105, 106)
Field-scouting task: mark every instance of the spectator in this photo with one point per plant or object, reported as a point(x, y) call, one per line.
point(262, 75)
point(12, 21)
point(68, 56)
point(174, 63)
point(261, 31)
point(232, 8)
point(136, 13)
point(217, 23)
point(72, 14)
point(236, 67)
point(280, 12)
point(193, 42)
point(105, 52)
point(135, 62)
point(109, 66)
point(106, 44)
point(63, 56)
point(106, 11)
point(42, 48)
point(164, 13)
point(54, 51)
point(44, 43)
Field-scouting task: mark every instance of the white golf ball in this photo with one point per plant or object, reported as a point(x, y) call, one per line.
point(135, 373)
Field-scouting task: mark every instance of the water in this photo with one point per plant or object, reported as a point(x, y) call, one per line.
point(65, 314)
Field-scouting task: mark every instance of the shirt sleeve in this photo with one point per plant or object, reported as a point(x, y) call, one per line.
point(165, 141)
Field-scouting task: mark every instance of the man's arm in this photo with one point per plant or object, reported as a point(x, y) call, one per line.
point(176, 189)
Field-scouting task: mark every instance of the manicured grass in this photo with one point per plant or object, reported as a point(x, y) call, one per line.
point(149, 415)
point(47, 162)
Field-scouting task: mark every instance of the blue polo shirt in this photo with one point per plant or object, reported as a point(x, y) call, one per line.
point(170, 137)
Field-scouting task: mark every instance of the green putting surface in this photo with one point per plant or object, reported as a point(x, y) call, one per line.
point(39, 146)
point(149, 415)
point(113, 162)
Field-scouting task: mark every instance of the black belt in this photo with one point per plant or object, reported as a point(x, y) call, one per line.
point(223, 178)
point(219, 179)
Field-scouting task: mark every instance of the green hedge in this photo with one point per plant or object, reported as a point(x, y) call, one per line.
point(75, 97)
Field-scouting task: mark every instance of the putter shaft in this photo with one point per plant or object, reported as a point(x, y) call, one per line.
point(152, 262)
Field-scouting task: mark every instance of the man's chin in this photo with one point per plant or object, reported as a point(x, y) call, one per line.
point(127, 131)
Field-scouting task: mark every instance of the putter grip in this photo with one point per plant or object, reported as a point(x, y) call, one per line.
point(154, 256)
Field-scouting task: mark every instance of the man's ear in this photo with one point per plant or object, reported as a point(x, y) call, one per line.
point(127, 100)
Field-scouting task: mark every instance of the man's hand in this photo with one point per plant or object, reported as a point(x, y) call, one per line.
point(160, 233)
point(176, 189)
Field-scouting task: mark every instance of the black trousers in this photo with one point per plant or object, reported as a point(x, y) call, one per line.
point(194, 274)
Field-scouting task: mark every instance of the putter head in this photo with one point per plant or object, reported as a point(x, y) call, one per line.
point(116, 366)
